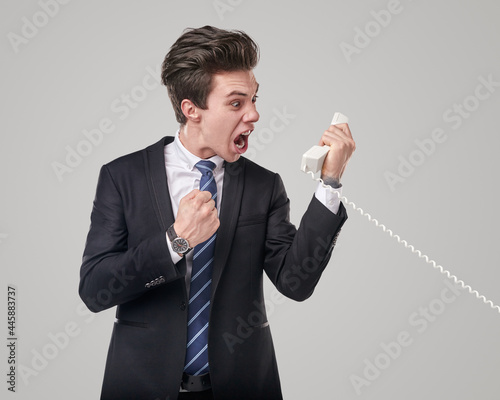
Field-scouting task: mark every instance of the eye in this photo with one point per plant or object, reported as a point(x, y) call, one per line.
point(235, 103)
point(254, 98)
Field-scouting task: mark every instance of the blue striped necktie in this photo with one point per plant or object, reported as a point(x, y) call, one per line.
point(199, 292)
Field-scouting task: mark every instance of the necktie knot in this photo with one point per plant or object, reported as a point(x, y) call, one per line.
point(205, 167)
point(207, 181)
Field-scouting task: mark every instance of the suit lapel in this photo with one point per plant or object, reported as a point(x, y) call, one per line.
point(154, 160)
point(158, 188)
point(230, 208)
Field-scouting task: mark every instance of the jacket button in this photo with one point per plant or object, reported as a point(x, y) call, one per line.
point(183, 306)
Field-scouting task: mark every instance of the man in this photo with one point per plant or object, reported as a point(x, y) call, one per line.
point(182, 231)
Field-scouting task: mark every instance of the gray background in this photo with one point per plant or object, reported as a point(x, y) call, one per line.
point(395, 91)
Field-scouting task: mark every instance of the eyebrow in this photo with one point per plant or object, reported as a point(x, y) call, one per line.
point(236, 93)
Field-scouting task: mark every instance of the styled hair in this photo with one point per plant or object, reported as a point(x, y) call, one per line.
point(197, 55)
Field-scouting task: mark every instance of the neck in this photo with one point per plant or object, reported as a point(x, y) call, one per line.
point(192, 140)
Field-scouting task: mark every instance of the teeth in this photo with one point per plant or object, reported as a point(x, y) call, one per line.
point(240, 143)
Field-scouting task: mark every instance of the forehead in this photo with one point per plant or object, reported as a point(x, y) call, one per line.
point(234, 82)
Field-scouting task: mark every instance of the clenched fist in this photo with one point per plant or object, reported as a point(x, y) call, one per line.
point(197, 218)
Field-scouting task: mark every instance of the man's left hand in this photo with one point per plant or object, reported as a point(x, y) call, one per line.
point(342, 145)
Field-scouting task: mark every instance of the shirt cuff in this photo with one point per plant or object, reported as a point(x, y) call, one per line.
point(175, 256)
point(330, 200)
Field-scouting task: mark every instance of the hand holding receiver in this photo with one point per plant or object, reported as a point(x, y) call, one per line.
point(331, 156)
point(338, 136)
point(313, 159)
point(197, 218)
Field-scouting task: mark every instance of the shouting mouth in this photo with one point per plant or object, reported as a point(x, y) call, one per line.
point(241, 140)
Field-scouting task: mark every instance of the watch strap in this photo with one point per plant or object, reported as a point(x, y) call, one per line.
point(171, 233)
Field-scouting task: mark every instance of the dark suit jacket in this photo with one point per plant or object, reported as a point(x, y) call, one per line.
point(126, 263)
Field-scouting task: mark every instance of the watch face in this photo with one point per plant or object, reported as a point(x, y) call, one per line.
point(180, 245)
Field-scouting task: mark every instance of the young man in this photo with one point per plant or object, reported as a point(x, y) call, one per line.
point(182, 231)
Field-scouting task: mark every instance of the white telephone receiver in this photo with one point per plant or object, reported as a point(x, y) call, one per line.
point(312, 159)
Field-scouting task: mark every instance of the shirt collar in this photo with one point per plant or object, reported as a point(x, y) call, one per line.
point(189, 160)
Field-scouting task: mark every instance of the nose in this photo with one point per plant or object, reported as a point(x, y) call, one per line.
point(251, 115)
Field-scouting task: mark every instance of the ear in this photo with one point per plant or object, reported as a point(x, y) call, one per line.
point(190, 111)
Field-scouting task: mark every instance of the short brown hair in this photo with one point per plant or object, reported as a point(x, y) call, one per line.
point(198, 54)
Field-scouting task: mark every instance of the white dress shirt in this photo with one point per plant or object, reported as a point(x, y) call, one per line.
point(183, 177)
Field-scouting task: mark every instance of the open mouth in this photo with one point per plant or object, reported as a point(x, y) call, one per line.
point(241, 140)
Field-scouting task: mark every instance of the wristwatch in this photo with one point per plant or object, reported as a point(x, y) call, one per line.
point(179, 245)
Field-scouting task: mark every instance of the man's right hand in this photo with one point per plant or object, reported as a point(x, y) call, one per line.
point(197, 218)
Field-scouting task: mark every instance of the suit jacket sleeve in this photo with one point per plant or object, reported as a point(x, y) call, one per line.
point(294, 259)
point(113, 272)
